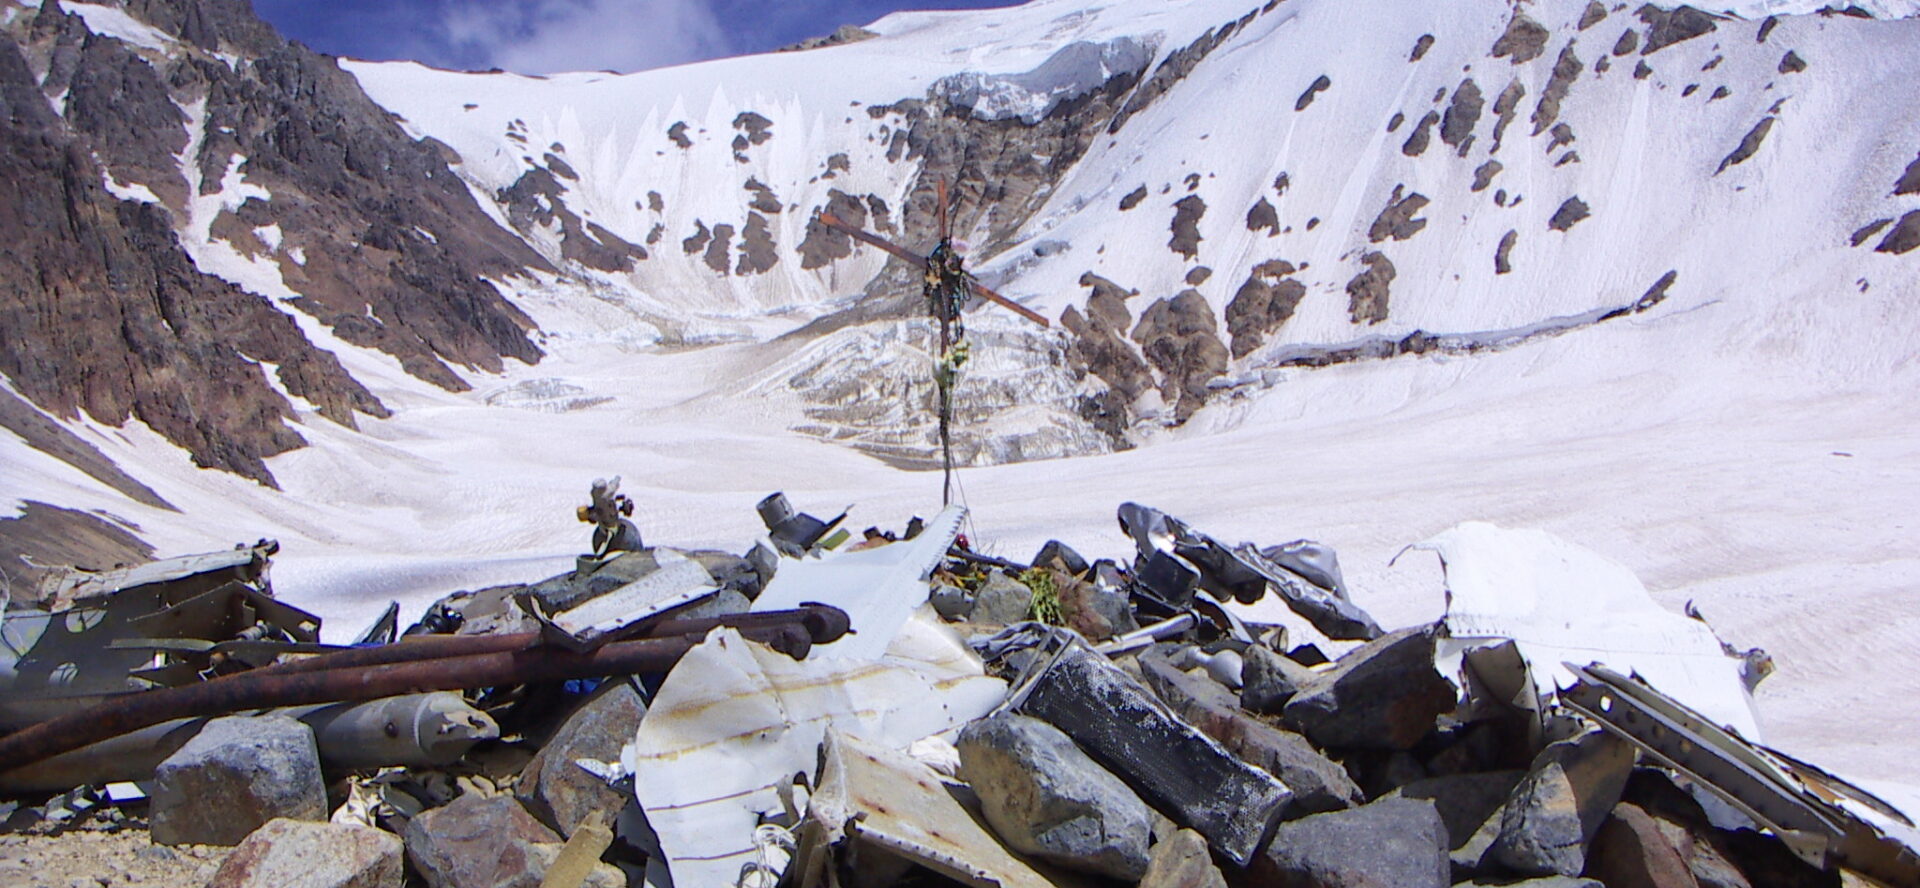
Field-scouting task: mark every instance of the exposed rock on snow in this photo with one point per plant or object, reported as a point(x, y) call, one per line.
point(1749, 144)
point(1367, 292)
point(1523, 41)
point(1313, 89)
point(1187, 212)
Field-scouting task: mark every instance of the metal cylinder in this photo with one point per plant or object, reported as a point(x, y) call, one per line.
point(246, 691)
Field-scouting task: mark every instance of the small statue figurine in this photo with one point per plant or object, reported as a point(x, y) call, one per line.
point(612, 532)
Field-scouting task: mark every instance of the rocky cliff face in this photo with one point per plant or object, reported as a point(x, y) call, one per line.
point(139, 157)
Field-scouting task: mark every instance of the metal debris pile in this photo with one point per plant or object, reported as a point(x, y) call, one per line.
point(898, 709)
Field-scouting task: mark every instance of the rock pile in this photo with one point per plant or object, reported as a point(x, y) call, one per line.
point(1132, 730)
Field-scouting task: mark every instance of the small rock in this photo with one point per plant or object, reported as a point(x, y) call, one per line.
point(560, 792)
point(603, 875)
point(298, 854)
point(1392, 843)
point(1001, 600)
point(1268, 680)
point(159, 853)
point(1629, 851)
point(1383, 695)
point(1464, 801)
point(1181, 861)
point(1555, 810)
point(1059, 555)
point(1047, 798)
point(478, 842)
point(234, 776)
point(1096, 612)
point(951, 602)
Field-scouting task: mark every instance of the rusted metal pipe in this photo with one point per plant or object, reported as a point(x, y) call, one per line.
point(822, 624)
point(255, 690)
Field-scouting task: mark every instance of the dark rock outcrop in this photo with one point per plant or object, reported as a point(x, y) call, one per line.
point(1133, 198)
point(1749, 145)
point(1396, 218)
point(108, 317)
point(1504, 109)
point(1367, 292)
point(1187, 212)
point(1571, 211)
point(1523, 41)
point(1866, 232)
point(1262, 215)
point(1180, 338)
point(1421, 136)
point(1566, 69)
point(1502, 255)
point(1483, 175)
point(1420, 47)
point(757, 253)
point(536, 201)
point(1262, 305)
point(1904, 237)
point(1456, 126)
point(1313, 89)
point(1665, 27)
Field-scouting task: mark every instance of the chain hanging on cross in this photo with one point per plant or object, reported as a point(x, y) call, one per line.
point(948, 287)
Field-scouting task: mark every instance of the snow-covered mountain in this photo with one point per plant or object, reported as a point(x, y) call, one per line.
point(1644, 277)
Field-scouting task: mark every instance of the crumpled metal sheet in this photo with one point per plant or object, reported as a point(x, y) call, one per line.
point(244, 564)
point(1560, 603)
point(878, 587)
point(734, 720)
point(871, 793)
point(678, 581)
point(1304, 574)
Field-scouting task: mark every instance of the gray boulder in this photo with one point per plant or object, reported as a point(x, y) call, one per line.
point(951, 602)
point(299, 854)
point(1383, 695)
point(1047, 798)
point(1181, 861)
point(1553, 813)
point(1631, 851)
point(1001, 600)
point(560, 792)
point(233, 777)
point(1464, 801)
point(1392, 843)
point(1268, 680)
point(476, 842)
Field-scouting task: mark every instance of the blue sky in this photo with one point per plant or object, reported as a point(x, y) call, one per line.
point(544, 36)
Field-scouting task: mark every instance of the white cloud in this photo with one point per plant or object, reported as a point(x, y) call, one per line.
point(548, 36)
